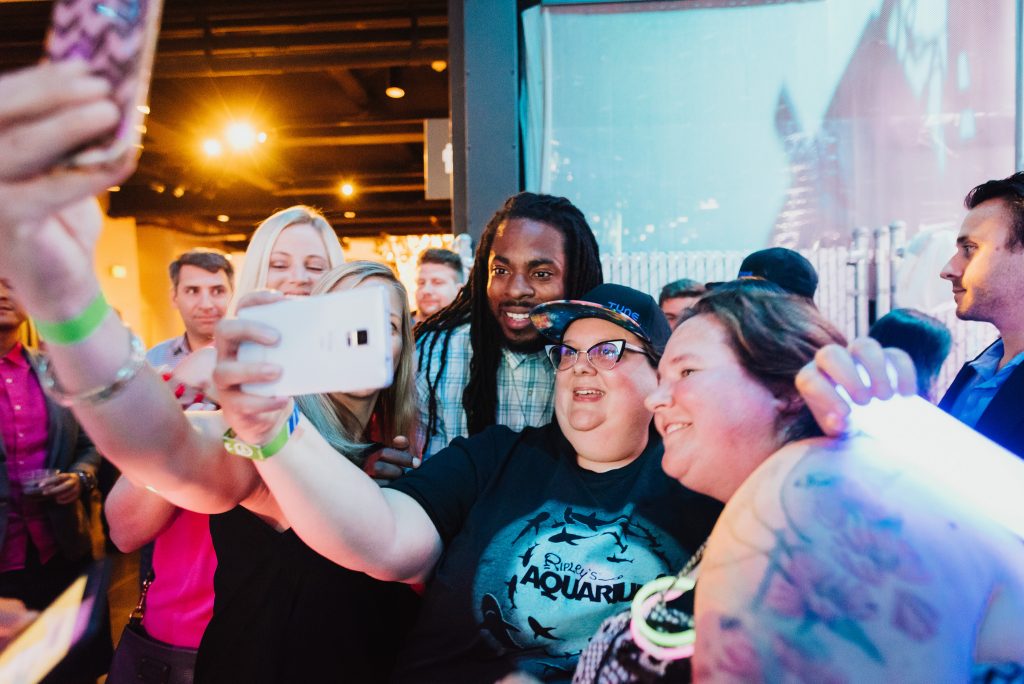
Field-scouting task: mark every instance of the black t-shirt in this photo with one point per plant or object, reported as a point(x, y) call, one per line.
point(283, 613)
point(538, 551)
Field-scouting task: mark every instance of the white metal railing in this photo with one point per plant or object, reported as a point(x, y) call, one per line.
point(849, 279)
point(838, 294)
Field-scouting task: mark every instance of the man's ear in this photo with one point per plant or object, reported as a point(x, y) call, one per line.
point(174, 293)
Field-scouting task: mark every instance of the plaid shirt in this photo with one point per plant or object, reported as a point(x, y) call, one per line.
point(166, 355)
point(526, 388)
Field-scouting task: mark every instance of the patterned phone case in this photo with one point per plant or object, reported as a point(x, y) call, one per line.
point(118, 39)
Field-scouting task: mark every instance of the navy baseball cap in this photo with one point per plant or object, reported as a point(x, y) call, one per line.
point(627, 308)
point(784, 267)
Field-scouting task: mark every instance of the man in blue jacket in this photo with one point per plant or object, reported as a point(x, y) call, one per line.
point(987, 274)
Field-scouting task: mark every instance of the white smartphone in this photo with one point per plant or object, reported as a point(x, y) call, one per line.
point(338, 342)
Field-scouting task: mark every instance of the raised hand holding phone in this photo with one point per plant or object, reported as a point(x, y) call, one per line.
point(252, 417)
point(281, 347)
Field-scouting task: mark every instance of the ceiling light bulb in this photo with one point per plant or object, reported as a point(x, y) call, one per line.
point(350, 214)
point(439, 65)
point(240, 135)
point(223, 218)
point(212, 147)
point(347, 189)
point(395, 89)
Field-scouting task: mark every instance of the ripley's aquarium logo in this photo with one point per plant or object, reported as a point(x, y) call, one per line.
point(547, 581)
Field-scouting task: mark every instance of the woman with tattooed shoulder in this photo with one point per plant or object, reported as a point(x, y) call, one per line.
point(829, 562)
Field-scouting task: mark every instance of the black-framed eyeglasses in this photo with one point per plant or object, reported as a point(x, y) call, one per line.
point(603, 355)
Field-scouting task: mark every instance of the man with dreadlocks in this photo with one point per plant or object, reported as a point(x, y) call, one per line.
point(481, 362)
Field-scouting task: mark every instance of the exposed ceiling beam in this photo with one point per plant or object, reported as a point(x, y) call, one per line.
point(313, 124)
point(351, 87)
point(241, 230)
point(275, 63)
point(349, 140)
point(360, 188)
point(133, 199)
point(353, 14)
point(199, 66)
point(364, 178)
point(162, 142)
point(269, 40)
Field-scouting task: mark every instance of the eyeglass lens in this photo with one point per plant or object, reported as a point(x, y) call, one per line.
point(603, 355)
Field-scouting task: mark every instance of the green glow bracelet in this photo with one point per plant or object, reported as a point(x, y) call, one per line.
point(671, 586)
point(76, 329)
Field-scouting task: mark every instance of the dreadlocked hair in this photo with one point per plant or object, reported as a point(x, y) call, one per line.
point(583, 273)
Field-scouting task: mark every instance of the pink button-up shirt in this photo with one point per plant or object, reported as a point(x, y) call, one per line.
point(23, 427)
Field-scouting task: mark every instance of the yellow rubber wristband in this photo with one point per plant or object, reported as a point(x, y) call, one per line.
point(235, 446)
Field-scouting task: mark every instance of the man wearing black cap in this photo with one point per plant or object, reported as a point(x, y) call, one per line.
point(784, 267)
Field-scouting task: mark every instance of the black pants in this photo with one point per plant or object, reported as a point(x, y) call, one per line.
point(37, 585)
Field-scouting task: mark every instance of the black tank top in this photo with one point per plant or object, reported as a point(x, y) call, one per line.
point(283, 613)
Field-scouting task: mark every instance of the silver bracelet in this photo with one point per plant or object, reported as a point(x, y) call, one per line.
point(96, 395)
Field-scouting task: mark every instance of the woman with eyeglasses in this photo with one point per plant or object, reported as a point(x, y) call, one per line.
point(527, 540)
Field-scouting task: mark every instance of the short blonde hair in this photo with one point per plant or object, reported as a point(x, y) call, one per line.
point(257, 256)
point(397, 408)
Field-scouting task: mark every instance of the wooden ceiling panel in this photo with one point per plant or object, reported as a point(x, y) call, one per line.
point(309, 74)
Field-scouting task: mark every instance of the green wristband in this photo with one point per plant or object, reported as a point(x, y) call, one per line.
point(76, 329)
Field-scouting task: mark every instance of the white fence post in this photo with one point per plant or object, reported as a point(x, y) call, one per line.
point(882, 269)
point(898, 249)
point(860, 252)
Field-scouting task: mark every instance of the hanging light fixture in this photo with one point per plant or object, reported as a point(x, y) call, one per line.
point(395, 89)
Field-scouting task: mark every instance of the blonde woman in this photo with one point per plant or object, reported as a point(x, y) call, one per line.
point(289, 251)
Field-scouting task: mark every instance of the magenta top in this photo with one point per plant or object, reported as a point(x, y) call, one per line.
point(23, 428)
point(180, 601)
